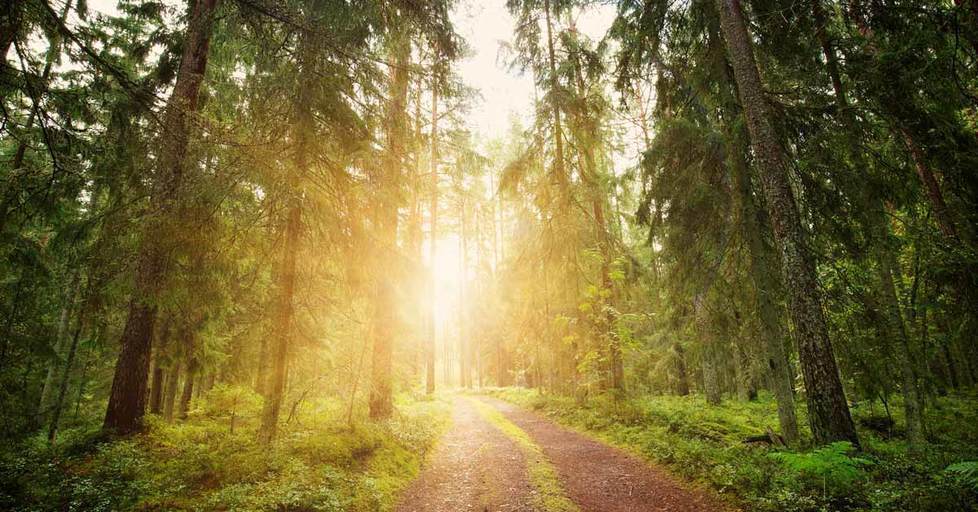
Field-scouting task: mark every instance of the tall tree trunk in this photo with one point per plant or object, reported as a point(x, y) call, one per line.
point(433, 282)
point(708, 361)
point(561, 178)
point(188, 388)
point(887, 266)
point(156, 390)
point(71, 293)
point(127, 399)
point(59, 402)
point(682, 376)
point(170, 396)
point(385, 221)
point(463, 246)
point(743, 371)
point(303, 127)
point(766, 288)
point(602, 234)
point(415, 242)
point(829, 415)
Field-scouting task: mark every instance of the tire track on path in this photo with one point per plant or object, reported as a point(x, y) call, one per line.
point(600, 478)
point(474, 467)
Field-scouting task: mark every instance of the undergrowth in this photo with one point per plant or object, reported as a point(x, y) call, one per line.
point(706, 445)
point(210, 462)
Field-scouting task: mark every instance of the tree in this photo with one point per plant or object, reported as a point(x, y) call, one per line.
point(127, 401)
point(829, 415)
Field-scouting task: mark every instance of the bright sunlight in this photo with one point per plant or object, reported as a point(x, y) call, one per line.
point(501, 255)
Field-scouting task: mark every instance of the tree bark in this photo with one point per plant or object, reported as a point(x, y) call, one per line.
point(127, 398)
point(829, 415)
point(385, 221)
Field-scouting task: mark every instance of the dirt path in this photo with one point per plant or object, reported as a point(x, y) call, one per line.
point(599, 478)
point(477, 466)
point(473, 467)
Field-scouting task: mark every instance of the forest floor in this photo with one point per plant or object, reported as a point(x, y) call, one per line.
point(498, 456)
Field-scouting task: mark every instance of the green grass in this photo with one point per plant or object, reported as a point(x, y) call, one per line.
point(543, 476)
point(317, 463)
point(705, 445)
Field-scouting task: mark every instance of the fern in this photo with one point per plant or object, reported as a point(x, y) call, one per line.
point(832, 466)
point(966, 472)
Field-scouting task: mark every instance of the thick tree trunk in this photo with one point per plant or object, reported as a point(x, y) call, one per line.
point(711, 380)
point(743, 371)
point(385, 222)
point(829, 415)
point(127, 398)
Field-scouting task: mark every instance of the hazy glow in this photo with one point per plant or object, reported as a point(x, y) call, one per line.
point(505, 93)
point(448, 278)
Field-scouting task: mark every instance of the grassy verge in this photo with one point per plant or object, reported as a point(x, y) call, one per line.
point(543, 476)
point(318, 462)
point(705, 444)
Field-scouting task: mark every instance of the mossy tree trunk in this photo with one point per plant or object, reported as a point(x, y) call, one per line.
point(829, 415)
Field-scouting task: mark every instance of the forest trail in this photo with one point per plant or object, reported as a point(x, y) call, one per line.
point(474, 467)
point(481, 464)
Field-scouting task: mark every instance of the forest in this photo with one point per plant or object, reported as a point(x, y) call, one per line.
point(310, 255)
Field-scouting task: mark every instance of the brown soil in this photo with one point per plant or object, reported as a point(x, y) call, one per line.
point(474, 467)
point(599, 478)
